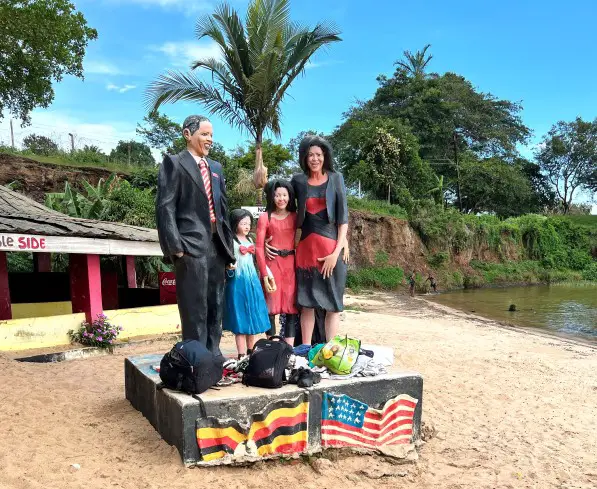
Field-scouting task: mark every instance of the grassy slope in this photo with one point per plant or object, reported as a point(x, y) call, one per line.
point(58, 160)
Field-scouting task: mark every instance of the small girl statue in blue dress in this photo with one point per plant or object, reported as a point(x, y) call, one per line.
point(245, 310)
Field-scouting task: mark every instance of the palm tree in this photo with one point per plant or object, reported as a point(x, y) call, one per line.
point(415, 64)
point(260, 60)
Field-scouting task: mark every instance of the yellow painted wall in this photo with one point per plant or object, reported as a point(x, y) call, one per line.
point(43, 332)
point(41, 309)
point(145, 320)
point(26, 333)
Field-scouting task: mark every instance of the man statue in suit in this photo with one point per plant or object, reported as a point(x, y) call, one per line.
point(192, 219)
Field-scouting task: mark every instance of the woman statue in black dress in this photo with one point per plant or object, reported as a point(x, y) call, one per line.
point(322, 217)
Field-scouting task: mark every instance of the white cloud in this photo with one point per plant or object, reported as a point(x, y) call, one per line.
point(57, 126)
point(101, 68)
point(186, 52)
point(312, 65)
point(116, 88)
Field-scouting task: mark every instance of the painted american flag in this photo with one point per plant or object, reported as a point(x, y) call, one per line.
point(347, 422)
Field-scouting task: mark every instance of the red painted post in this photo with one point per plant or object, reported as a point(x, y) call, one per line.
point(86, 285)
point(42, 262)
point(5, 309)
point(131, 273)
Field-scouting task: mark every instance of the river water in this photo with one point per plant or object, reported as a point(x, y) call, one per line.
point(569, 310)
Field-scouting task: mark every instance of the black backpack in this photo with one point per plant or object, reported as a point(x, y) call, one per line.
point(267, 363)
point(190, 367)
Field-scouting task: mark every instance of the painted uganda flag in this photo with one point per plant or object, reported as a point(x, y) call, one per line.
point(281, 427)
point(347, 422)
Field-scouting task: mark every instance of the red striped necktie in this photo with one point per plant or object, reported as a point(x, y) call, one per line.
point(207, 183)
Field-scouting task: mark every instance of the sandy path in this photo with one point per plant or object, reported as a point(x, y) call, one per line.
point(511, 410)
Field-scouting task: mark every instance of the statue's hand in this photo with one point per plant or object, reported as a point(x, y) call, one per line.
point(270, 251)
point(270, 284)
point(329, 263)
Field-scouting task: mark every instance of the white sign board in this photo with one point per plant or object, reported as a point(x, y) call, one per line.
point(254, 210)
point(68, 244)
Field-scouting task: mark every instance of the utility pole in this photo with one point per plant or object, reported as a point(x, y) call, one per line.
point(455, 140)
point(129, 154)
point(360, 189)
point(12, 135)
point(72, 142)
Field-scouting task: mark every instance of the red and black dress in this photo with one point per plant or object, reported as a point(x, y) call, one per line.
point(318, 240)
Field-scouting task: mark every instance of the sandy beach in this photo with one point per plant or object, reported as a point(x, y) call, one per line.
point(502, 408)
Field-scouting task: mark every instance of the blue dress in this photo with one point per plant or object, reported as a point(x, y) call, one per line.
point(245, 310)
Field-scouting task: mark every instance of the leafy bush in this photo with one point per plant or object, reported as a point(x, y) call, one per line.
point(89, 154)
point(458, 279)
point(437, 260)
point(472, 281)
point(145, 177)
point(40, 145)
point(590, 272)
point(130, 205)
point(99, 333)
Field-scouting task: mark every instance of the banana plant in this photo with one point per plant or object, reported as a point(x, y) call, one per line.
point(75, 204)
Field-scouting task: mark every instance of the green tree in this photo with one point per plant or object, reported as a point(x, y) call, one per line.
point(40, 145)
point(544, 197)
point(161, 132)
point(40, 41)
point(275, 156)
point(383, 159)
point(591, 181)
point(568, 157)
point(260, 61)
point(133, 153)
point(436, 107)
point(492, 185)
point(409, 176)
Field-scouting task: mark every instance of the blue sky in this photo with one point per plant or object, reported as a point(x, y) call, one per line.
point(540, 53)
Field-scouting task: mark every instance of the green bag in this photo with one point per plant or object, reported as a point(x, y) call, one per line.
point(338, 355)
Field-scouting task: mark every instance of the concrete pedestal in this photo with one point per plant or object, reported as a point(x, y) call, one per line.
point(243, 423)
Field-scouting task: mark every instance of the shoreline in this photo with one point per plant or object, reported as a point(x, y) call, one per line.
point(511, 327)
point(461, 314)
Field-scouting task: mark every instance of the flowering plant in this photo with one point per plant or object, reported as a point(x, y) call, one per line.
point(99, 333)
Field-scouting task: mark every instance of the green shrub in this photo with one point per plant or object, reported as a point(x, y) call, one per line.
point(472, 281)
point(590, 272)
point(458, 279)
point(437, 260)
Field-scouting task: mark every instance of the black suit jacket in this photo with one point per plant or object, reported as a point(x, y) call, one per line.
point(182, 208)
point(335, 196)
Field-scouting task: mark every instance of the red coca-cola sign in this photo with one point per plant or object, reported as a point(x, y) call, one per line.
point(167, 287)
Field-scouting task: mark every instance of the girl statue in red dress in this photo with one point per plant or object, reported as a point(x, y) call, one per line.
point(278, 225)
